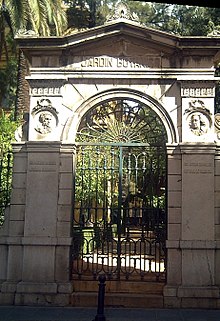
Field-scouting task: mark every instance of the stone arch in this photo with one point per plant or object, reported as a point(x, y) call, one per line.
point(73, 122)
point(119, 187)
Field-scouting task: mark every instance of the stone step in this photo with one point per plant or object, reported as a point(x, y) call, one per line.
point(120, 287)
point(117, 300)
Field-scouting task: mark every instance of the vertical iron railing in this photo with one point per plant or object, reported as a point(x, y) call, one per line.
point(6, 161)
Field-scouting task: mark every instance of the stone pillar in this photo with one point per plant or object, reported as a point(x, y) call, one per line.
point(64, 221)
point(196, 242)
point(217, 217)
point(40, 223)
point(13, 228)
point(40, 235)
point(198, 239)
point(174, 221)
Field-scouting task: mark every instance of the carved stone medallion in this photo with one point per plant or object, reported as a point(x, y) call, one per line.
point(198, 117)
point(45, 116)
point(198, 123)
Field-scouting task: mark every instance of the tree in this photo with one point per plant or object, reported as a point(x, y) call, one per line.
point(189, 21)
point(177, 19)
point(86, 13)
point(44, 17)
point(200, 3)
point(184, 20)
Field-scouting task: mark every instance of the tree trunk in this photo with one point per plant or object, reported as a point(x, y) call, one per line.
point(23, 99)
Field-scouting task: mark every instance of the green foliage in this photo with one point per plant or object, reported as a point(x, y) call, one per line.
point(177, 19)
point(193, 21)
point(182, 20)
point(86, 14)
point(42, 16)
point(78, 15)
point(5, 182)
point(91, 175)
point(8, 84)
point(7, 130)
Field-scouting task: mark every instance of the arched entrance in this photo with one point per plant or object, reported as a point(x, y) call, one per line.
point(119, 223)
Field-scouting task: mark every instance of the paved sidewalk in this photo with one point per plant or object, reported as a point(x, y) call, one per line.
point(12, 313)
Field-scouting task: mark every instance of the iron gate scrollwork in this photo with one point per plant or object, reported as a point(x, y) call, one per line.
point(119, 224)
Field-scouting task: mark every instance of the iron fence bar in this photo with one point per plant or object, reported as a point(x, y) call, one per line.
point(119, 216)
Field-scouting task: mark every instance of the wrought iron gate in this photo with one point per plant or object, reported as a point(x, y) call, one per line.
point(119, 224)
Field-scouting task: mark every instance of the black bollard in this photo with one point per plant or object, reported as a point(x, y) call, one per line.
point(101, 299)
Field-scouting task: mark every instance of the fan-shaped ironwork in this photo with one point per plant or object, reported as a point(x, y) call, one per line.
point(122, 121)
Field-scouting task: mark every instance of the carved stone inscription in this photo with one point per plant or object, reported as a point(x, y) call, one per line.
point(105, 62)
point(42, 166)
point(201, 168)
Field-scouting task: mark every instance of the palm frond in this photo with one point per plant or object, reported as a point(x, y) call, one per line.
point(18, 13)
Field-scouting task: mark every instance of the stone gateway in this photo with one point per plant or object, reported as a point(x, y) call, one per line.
point(118, 172)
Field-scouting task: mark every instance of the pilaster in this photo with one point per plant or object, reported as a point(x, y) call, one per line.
point(38, 251)
point(195, 242)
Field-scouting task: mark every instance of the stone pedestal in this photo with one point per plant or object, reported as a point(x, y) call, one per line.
point(39, 240)
point(191, 279)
